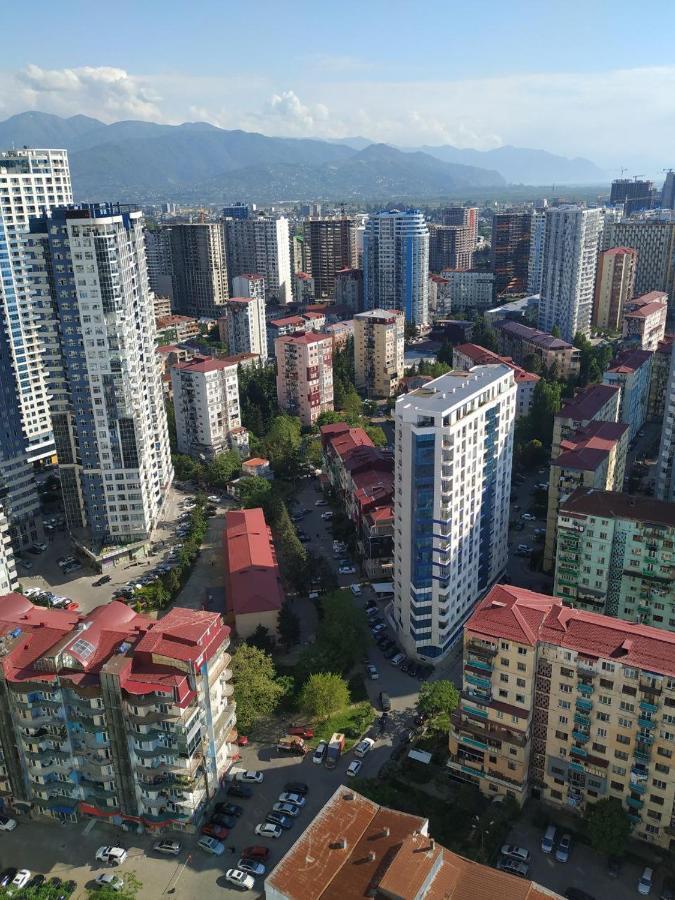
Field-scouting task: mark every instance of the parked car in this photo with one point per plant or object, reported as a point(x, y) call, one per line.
point(646, 881)
point(528, 517)
point(252, 866)
point(397, 660)
point(239, 790)
point(228, 809)
point(515, 852)
point(286, 809)
point(211, 845)
point(7, 824)
point(250, 776)
point(296, 787)
point(548, 840)
point(513, 867)
point(38, 880)
point(168, 848)
point(573, 893)
point(113, 855)
point(326, 516)
point(372, 672)
point(301, 731)
point(228, 822)
point(267, 830)
point(7, 876)
point(385, 702)
point(363, 747)
point(320, 753)
point(292, 797)
point(215, 831)
point(213, 498)
point(20, 880)
point(354, 768)
point(355, 589)
point(346, 570)
point(242, 880)
point(279, 819)
point(110, 882)
point(255, 851)
point(104, 579)
point(562, 854)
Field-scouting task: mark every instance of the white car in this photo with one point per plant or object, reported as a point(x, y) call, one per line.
point(528, 517)
point(112, 882)
point(168, 848)
point(364, 746)
point(321, 503)
point(213, 498)
point(7, 824)
point(372, 672)
point(211, 845)
point(354, 768)
point(250, 776)
point(327, 515)
point(320, 753)
point(20, 880)
point(290, 797)
point(286, 809)
point(346, 570)
point(267, 830)
point(113, 855)
point(355, 589)
point(397, 660)
point(514, 852)
point(241, 879)
point(646, 881)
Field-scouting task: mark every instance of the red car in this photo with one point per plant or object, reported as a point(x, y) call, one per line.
point(216, 831)
point(242, 740)
point(256, 852)
point(301, 731)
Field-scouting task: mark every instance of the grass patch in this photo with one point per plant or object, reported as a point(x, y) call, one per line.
point(352, 722)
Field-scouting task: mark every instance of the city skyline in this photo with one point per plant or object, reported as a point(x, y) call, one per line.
point(298, 83)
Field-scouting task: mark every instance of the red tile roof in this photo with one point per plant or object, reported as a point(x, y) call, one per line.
point(483, 357)
point(588, 402)
point(168, 321)
point(241, 300)
point(346, 442)
point(308, 337)
point(289, 321)
point(588, 448)
point(615, 505)
point(252, 582)
point(256, 461)
point(513, 613)
point(204, 364)
point(630, 361)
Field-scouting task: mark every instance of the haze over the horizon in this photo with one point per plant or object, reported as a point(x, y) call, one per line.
point(595, 80)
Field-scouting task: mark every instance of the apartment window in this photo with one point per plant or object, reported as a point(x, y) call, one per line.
point(564, 704)
point(567, 673)
point(602, 717)
point(625, 723)
point(607, 666)
point(622, 739)
point(566, 688)
point(561, 735)
point(616, 786)
point(605, 700)
point(504, 645)
point(557, 795)
point(663, 752)
point(652, 829)
point(503, 677)
point(627, 707)
point(653, 814)
point(602, 732)
point(659, 784)
point(522, 651)
point(619, 754)
point(522, 667)
point(503, 693)
point(504, 661)
point(654, 798)
point(599, 748)
point(661, 768)
point(618, 770)
point(563, 720)
point(520, 698)
point(608, 685)
point(520, 682)
point(631, 691)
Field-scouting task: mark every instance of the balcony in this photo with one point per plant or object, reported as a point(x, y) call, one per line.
point(479, 664)
point(471, 710)
point(584, 705)
point(638, 788)
point(645, 738)
point(586, 668)
point(583, 688)
point(484, 683)
point(582, 720)
point(578, 751)
point(472, 742)
point(581, 736)
point(634, 802)
point(642, 755)
point(646, 723)
point(645, 706)
point(577, 767)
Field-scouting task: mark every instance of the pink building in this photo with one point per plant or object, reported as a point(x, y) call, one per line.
point(644, 320)
point(305, 375)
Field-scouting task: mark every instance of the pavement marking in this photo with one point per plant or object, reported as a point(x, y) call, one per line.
point(88, 827)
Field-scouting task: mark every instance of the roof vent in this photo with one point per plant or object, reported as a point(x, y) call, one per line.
point(371, 856)
point(339, 844)
point(386, 831)
point(348, 796)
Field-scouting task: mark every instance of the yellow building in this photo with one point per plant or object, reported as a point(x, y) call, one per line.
point(569, 706)
point(378, 351)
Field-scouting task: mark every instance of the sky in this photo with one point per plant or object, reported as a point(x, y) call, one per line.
point(592, 78)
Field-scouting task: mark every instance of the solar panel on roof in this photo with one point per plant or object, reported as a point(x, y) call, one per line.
point(82, 648)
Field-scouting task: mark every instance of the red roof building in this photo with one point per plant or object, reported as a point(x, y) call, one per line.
point(253, 591)
point(466, 356)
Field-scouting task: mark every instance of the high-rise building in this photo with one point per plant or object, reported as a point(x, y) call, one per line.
point(8, 579)
point(244, 327)
point(305, 375)
point(349, 289)
point(535, 264)
point(466, 356)
point(635, 195)
point(303, 288)
point(614, 286)
point(107, 407)
point(510, 252)
point(238, 210)
point(569, 704)
point(261, 244)
point(654, 242)
point(199, 269)
point(644, 320)
point(378, 352)
point(396, 264)
point(31, 181)
point(631, 372)
point(658, 385)
point(467, 293)
point(454, 448)
point(570, 258)
point(450, 247)
point(614, 556)
point(466, 216)
point(665, 470)
point(159, 260)
point(206, 401)
point(331, 246)
point(668, 191)
point(249, 285)
point(137, 712)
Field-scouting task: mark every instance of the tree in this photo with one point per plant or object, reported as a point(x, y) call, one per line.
point(444, 355)
point(282, 444)
point(376, 434)
point(223, 469)
point(289, 626)
point(171, 425)
point(483, 335)
point(187, 469)
point(132, 886)
point(254, 491)
point(608, 826)
point(438, 697)
point(555, 331)
point(324, 693)
point(546, 402)
point(409, 331)
point(262, 639)
point(341, 637)
point(533, 363)
point(352, 406)
point(257, 397)
point(257, 690)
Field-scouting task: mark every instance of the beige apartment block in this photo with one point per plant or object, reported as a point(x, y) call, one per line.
point(378, 351)
point(305, 375)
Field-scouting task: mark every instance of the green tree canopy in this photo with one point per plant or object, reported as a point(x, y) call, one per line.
point(341, 637)
point(254, 491)
point(282, 444)
point(223, 469)
point(438, 697)
point(187, 469)
point(256, 687)
point(262, 639)
point(257, 397)
point(129, 891)
point(324, 693)
point(608, 826)
point(289, 626)
point(483, 335)
point(376, 434)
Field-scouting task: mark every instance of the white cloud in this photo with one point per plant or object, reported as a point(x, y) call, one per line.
point(288, 109)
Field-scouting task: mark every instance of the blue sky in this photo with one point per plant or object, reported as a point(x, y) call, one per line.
point(581, 78)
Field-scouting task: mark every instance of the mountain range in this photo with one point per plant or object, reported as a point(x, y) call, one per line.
point(195, 161)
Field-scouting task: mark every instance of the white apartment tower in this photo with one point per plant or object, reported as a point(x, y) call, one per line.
point(454, 448)
point(31, 181)
point(665, 467)
point(206, 400)
point(571, 241)
point(245, 327)
point(396, 264)
point(261, 245)
point(535, 263)
point(8, 579)
point(109, 420)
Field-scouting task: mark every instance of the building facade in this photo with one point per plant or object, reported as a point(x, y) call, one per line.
point(535, 263)
point(107, 407)
point(303, 288)
point(631, 371)
point(305, 375)
point(644, 320)
point(114, 716)
point(199, 269)
point(520, 341)
point(570, 705)
point(206, 403)
point(614, 287)
point(159, 261)
point(634, 194)
point(396, 264)
point(466, 356)
point(331, 247)
point(571, 241)
point(615, 556)
point(244, 327)
point(467, 293)
point(654, 242)
point(349, 289)
point(665, 476)
point(454, 449)
point(261, 244)
point(378, 352)
point(510, 252)
point(8, 579)
point(658, 384)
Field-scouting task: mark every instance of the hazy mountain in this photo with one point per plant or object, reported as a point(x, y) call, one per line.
point(143, 160)
point(520, 165)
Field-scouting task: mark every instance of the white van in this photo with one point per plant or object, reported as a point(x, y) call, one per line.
point(548, 840)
